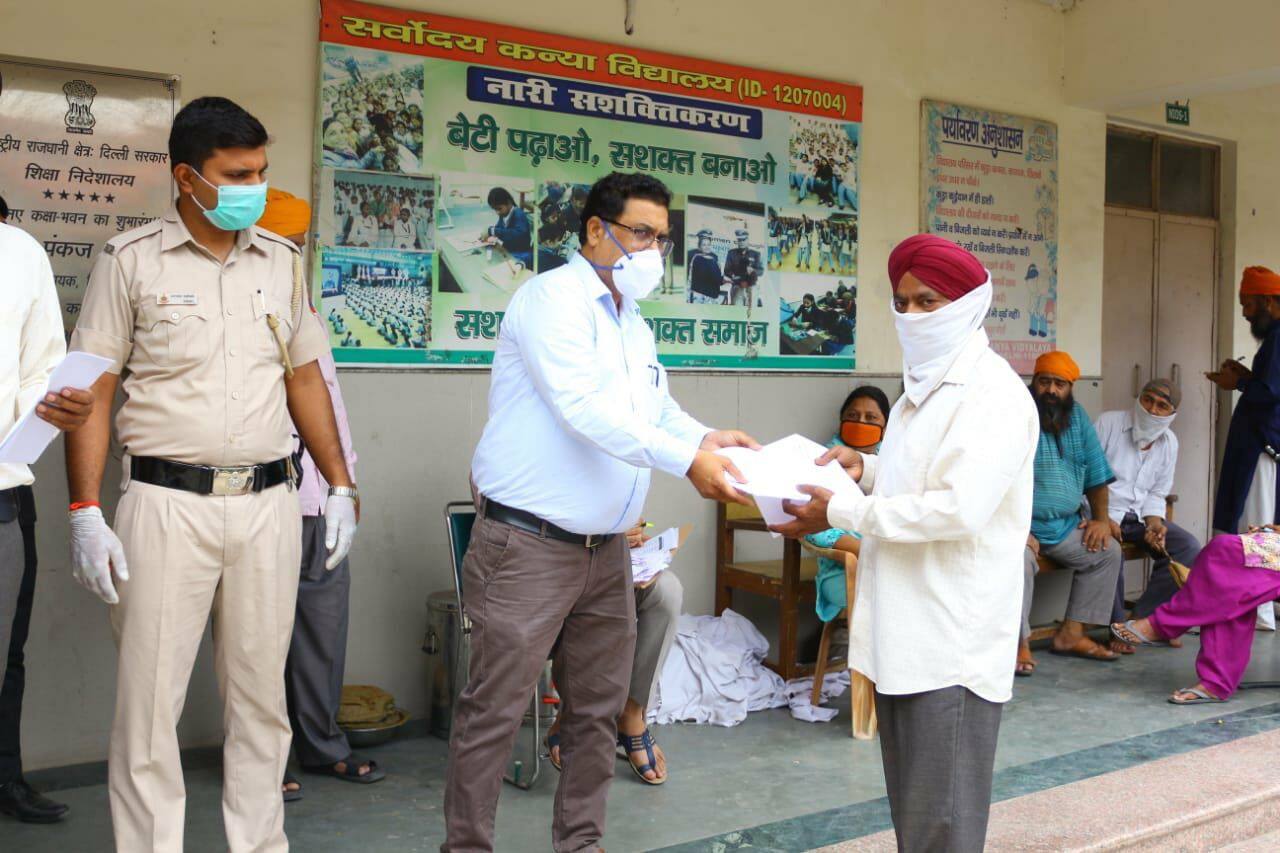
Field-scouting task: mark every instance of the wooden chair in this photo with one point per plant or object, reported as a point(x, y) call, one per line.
point(1130, 550)
point(822, 665)
point(788, 581)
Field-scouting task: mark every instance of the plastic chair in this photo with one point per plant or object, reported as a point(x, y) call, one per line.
point(460, 519)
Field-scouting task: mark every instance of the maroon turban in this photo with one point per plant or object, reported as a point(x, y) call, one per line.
point(941, 264)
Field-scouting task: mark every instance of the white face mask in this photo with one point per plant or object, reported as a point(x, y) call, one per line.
point(931, 341)
point(635, 275)
point(1148, 427)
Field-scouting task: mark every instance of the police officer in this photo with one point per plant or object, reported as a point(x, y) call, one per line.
point(742, 266)
point(204, 315)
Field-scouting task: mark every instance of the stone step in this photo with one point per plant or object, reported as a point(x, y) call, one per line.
point(1203, 800)
point(1268, 843)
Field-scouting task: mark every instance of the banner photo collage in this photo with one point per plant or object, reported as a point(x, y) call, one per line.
point(990, 183)
point(436, 135)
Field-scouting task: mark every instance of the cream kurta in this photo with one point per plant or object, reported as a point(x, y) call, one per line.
point(939, 586)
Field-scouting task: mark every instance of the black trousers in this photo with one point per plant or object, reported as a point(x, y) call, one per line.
point(15, 672)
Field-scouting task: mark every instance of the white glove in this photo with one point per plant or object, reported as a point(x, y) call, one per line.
point(95, 551)
point(339, 528)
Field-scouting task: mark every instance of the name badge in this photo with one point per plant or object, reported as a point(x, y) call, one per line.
point(177, 299)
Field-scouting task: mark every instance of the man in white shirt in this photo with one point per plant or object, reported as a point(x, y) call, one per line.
point(579, 412)
point(1143, 452)
point(31, 346)
point(944, 523)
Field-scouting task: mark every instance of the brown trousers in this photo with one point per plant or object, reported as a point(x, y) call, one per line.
point(521, 591)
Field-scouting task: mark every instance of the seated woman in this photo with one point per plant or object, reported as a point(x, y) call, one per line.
point(1231, 577)
point(863, 417)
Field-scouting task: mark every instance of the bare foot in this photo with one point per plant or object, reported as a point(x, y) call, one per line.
point(290, 786)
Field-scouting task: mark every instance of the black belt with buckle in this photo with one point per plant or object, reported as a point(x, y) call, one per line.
point(530, 523)
point(208, 480)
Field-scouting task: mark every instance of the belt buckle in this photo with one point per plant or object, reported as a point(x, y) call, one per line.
point(232, 482)
point(593, 541)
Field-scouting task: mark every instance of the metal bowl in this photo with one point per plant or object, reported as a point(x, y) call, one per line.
point(366, 735)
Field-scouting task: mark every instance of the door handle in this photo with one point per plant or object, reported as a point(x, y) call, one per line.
point(1174, 377)
point(1136, 377)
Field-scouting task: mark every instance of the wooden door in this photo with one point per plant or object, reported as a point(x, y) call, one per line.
point(1185, 344)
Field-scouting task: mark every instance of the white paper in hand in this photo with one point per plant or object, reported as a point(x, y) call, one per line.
point(31, 435)
point(775, 472)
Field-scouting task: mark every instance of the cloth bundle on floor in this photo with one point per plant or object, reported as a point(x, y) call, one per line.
point(715, 673)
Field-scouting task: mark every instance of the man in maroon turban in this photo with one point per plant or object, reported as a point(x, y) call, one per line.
point(944, 511)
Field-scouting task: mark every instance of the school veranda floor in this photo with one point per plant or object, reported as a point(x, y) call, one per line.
point(772, 783)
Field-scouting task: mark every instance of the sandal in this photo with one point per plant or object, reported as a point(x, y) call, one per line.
point(1202, 697)
point(291, 796)
point(551, 742)
point(1125, 632)
point(1025, 666)
point(351, 773)
point(636, 743)
point(1087, 649)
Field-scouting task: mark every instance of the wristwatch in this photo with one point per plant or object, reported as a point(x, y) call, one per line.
point(346, 492)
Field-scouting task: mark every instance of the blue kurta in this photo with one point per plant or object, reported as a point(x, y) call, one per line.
point(1254, 424)
point(1067, 465)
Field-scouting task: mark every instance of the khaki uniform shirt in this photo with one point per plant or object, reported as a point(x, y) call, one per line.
point(202, 375)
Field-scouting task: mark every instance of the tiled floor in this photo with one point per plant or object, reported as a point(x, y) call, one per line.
point(772, 783)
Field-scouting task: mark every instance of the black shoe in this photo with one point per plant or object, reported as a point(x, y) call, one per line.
point(17, 799)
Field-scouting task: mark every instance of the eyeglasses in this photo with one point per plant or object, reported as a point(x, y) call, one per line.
point(646, 237)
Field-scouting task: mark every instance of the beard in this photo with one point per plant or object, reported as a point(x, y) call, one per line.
point(1260, 325)
point(1055, 411)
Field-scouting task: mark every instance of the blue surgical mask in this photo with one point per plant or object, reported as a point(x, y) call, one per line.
point(238, 207)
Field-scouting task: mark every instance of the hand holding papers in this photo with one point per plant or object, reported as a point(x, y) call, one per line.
point(31, 434)
point(782, 471)
point(654, 556)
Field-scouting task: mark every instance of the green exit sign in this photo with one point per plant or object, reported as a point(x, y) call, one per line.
point(1177, 113)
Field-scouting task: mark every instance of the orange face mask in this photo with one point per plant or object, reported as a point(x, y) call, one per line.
point(858, 434)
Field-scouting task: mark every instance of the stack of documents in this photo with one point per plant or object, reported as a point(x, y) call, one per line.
point(654, 555)
point(775, 471)
point(31, 435)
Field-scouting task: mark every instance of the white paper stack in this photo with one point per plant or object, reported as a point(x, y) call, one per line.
point(31, 435)
point(653, 556)
point(775, 471)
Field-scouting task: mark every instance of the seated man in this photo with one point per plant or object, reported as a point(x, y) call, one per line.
point(1069, 463)
point(1143, 451)
point(658, 604)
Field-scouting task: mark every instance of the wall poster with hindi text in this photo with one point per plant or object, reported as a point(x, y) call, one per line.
point(990, 183)
point(453, 161)
point(84, 156)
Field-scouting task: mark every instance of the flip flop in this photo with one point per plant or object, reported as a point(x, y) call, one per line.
point(1202, 697)
point(291, 796)
point(1021, 662)
point(1087, 649)
point(1126, 633)
point(636, 743)
point(351, 773)
point(552, 741)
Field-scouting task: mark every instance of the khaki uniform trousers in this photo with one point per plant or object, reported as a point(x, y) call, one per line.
point(190, 556)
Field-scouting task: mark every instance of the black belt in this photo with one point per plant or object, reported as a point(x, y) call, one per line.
point(530, 523)
point(207, 480)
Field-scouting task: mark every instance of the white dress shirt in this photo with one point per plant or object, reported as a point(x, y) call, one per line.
point(579, 409)
point(944, 527)
point(31, 336)
point(1144, 478)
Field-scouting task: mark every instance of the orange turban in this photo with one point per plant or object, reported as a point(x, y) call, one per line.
point(286, 214)
point(1259, 281)
point(1058, 363)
